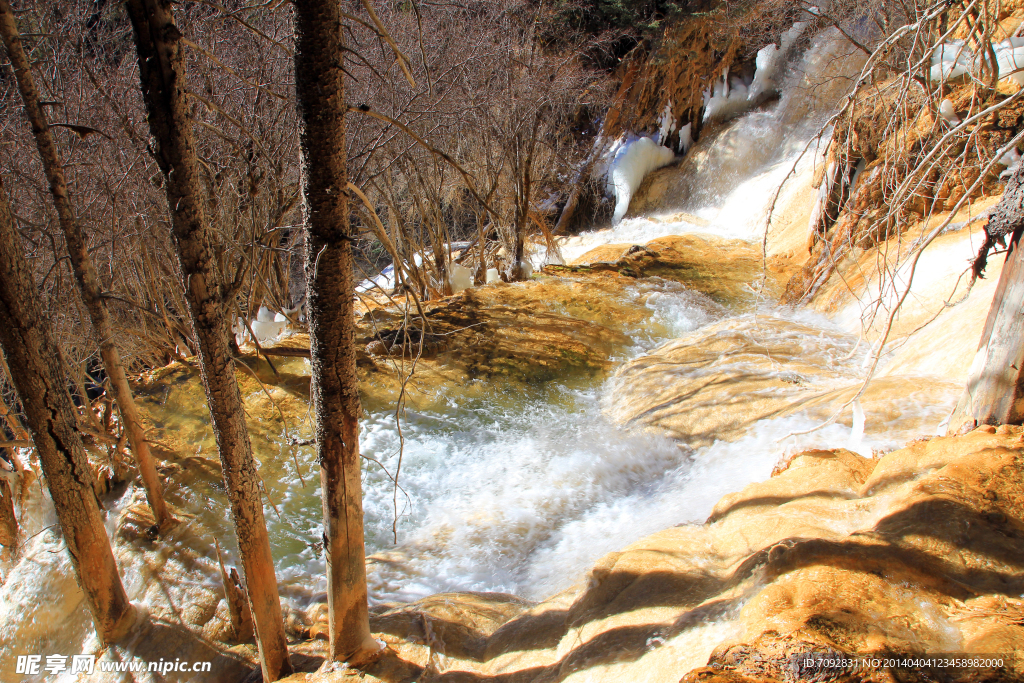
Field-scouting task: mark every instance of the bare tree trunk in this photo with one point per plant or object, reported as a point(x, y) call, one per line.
point(523, 189)
point(81, 263)
point(238, 606)
point(995, 389)
point(39, 379)
point(9, 531)
point(578, 181)
point(320, 86)
point(162, 72)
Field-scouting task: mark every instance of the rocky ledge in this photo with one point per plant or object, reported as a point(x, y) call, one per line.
point(836, 556)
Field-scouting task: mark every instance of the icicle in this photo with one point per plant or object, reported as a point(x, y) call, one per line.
point(857, 430)
point(631, 164)
point(685, 138)
point(667, 124)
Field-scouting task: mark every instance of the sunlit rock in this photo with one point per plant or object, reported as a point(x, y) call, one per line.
point(721, 268)
point(834, 555)
point(718, 382)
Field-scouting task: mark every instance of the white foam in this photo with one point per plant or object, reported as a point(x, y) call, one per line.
point(740, 214)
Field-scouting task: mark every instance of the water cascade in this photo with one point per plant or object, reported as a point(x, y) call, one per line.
point(520, 489)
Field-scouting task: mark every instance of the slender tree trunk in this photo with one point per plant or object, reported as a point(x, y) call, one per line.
point(578, 182)
point(523, 189)
point(39, 379)
point(320, 87)
point(85, 272)
point(162, 72)
point(9, 531)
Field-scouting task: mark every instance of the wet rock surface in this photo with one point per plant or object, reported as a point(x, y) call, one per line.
point(732, 272)
point(715, 383)
point(836, 556)
point(484, 336)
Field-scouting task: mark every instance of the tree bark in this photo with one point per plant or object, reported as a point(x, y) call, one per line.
point(162, 73)
point(995, 389)
point(319, 82)
point(578, 182)
point(9, 530)
point(523, 189)
point(39, 379)
point(238, 605)
point(82, 265)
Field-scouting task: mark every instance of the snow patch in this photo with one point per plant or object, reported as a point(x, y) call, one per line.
point(948, 113)
point(267, 327)
point(461, 278)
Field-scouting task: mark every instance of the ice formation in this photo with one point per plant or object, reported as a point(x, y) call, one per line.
point(685, 138)
point(728, 99)
point(267, 327)
point(384, 280)
point(950, 61)
point(492, 276)
point(770, 61)
point(947, 112)
point(632, 161)
point(461, 278)
point(1012, 161)
point(733, 96)
point(954, 59)
point(667, 125)
point(1010, 59)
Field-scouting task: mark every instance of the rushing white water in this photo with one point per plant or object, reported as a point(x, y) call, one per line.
point(522, 493)
point(739, 215)
point(728, 181)
point(515, 491)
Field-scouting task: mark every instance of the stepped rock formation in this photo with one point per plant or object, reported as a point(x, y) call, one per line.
point(918, 551)
point(717, 382)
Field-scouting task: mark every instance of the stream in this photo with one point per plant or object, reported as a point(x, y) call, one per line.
point(512, 489)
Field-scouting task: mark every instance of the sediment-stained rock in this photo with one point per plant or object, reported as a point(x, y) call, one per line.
point(723, 269)
point(835, 556)
point(716, 382)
